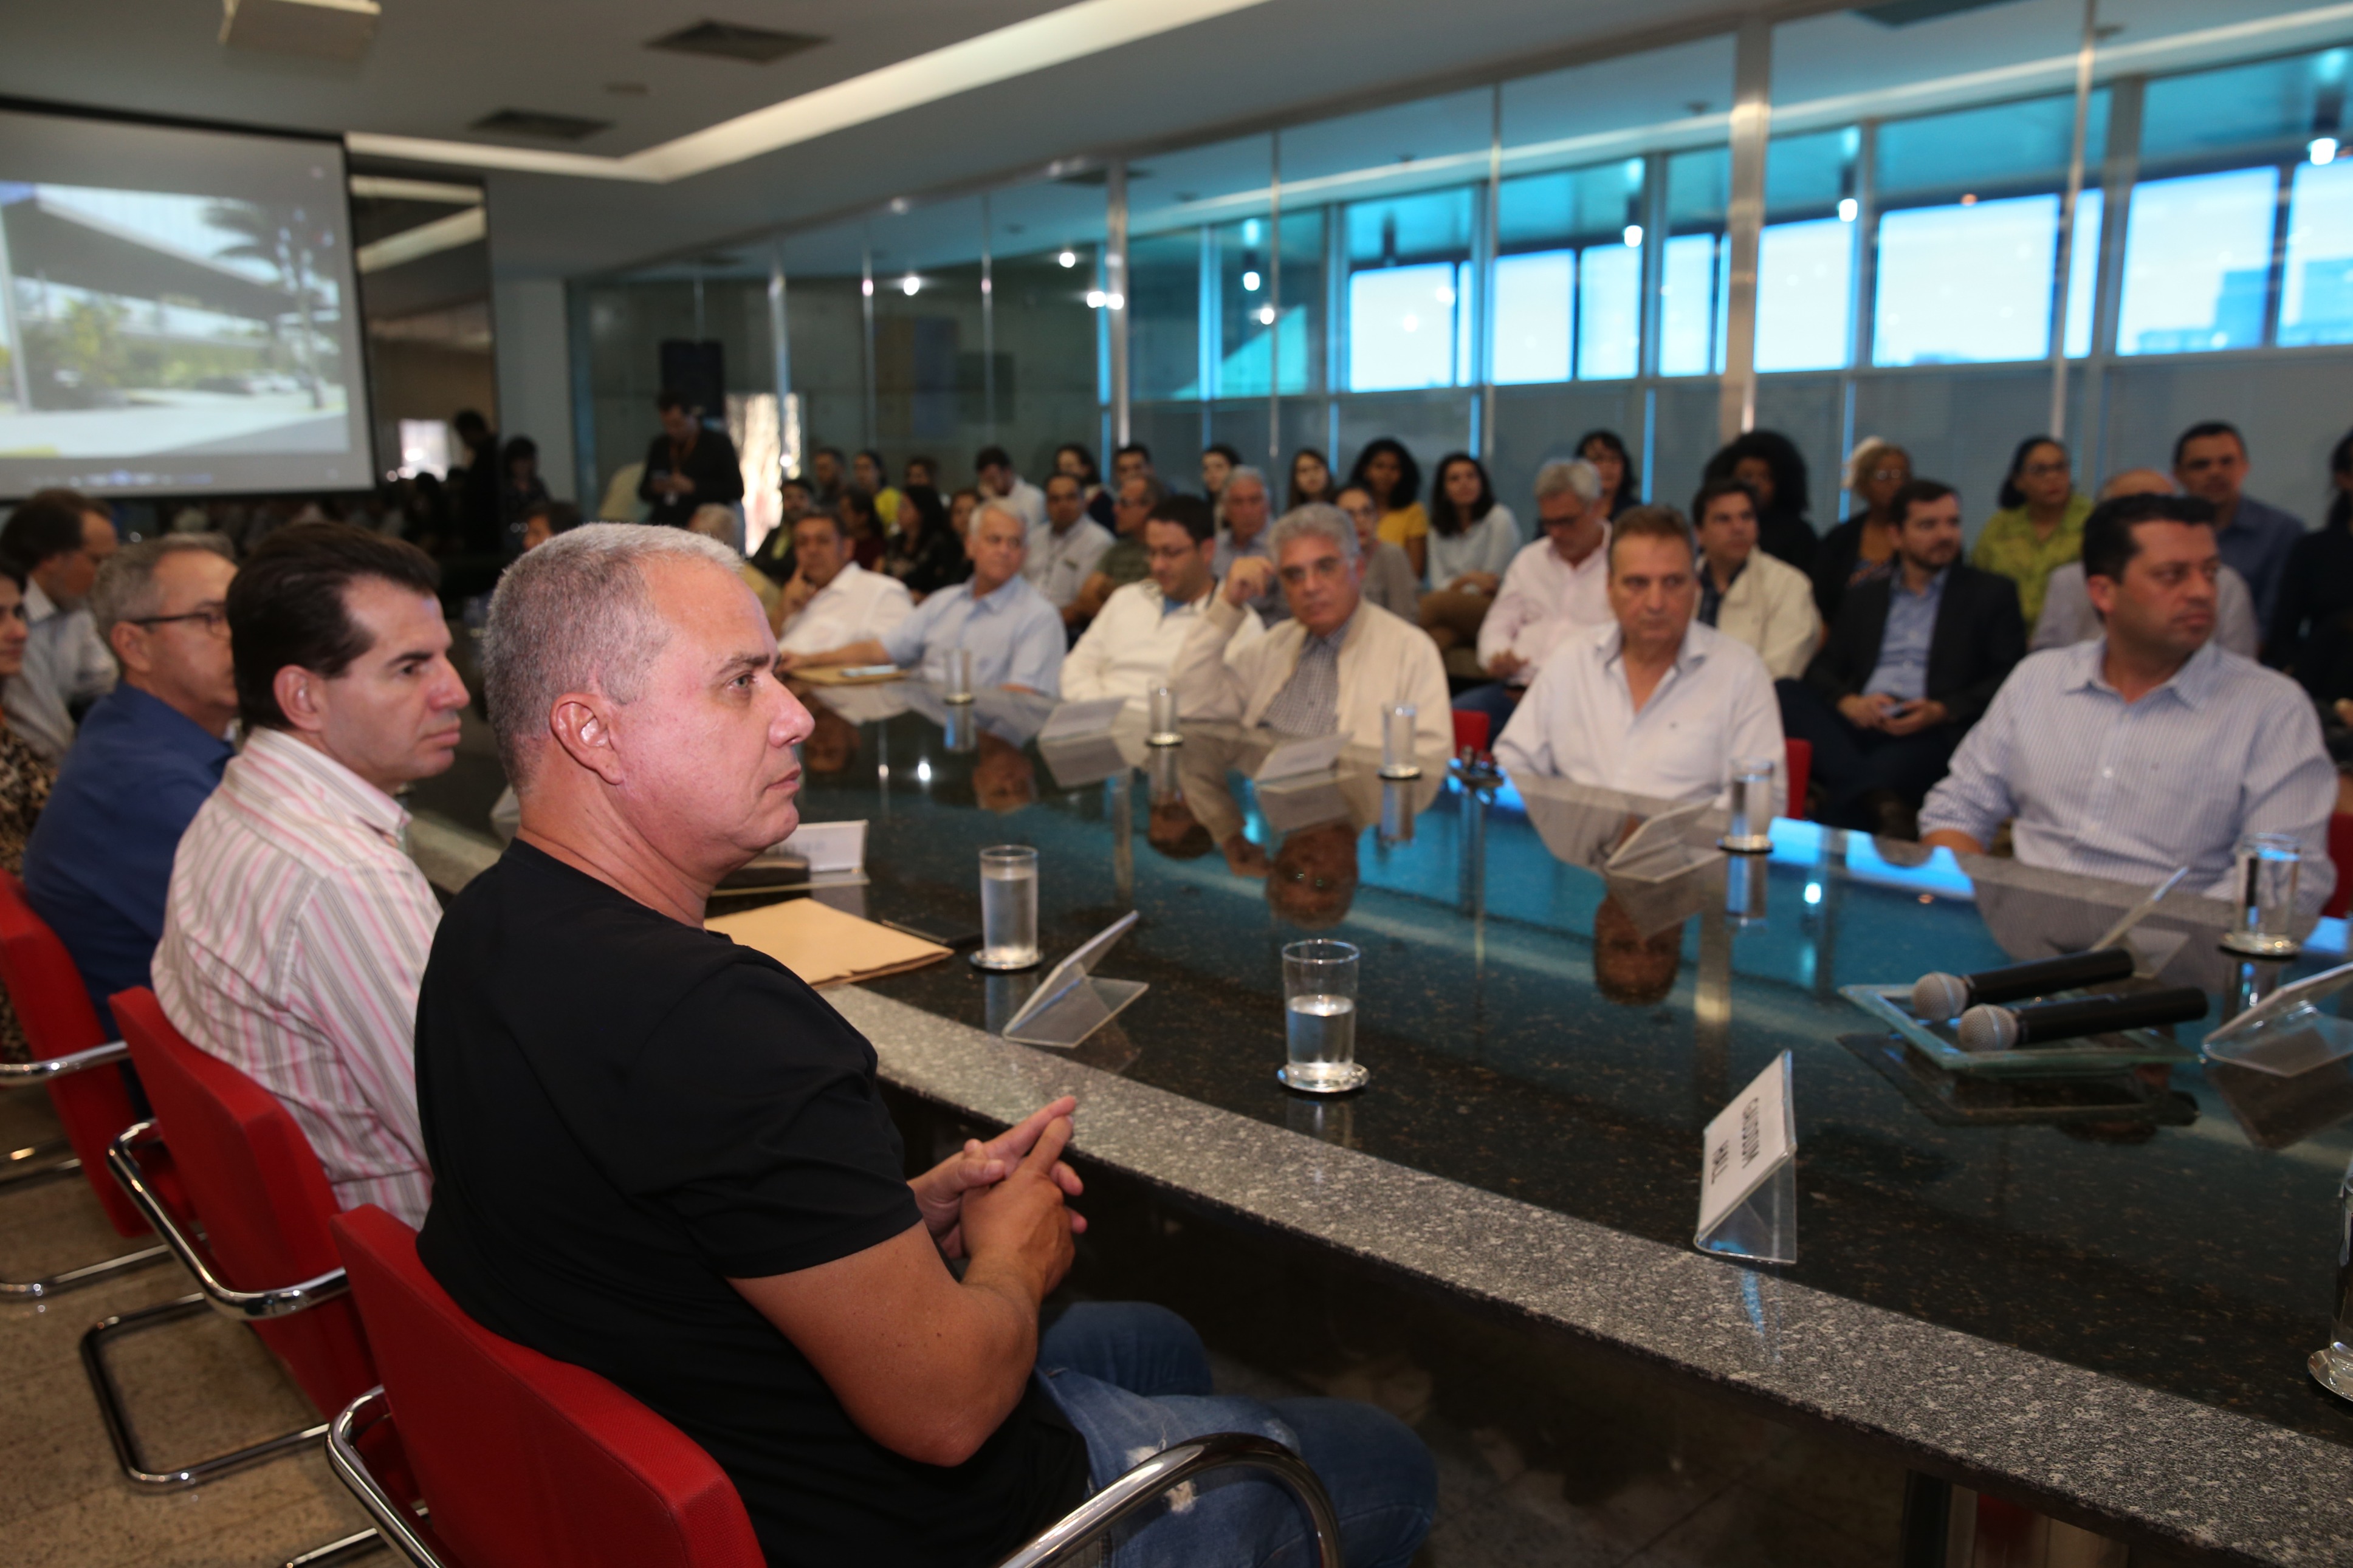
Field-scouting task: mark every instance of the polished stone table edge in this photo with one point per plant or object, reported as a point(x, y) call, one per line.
point(2110, 1453)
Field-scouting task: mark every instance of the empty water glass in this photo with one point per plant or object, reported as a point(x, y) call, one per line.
point(959, 675)
point(1163, 732)
point(1751, 829)
point(1008, 908)
point(2263, 896)
point(1396, 743)
point(1319, 999)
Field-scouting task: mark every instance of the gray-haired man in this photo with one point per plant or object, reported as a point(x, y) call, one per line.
point(1554, 585)
point(1242, 512)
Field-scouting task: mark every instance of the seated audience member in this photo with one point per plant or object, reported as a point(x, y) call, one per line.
point(1072, 457)
point(2210, 461)
point(24, 783)
point(2311, 631)
point(296, 928)
point(1063, 549)
point(829, 471)
point(1655, 703)
point(56, 540)
point(1908, 667)
point(919, 471)
point(649, 1139)
point(1746, 594)
point(794, 500)
point(2067, 613)
point(869, 473)
point(1014, 634)
point(1133, 645)
point(149, 754)
point(1389, 573)
point(1129, 462)
point(1771, 465)
point(994, 469)
point(1242, 514)
point(1862, 548)
point(2039, 526)
point(1336, 666)
point(1471, 542)
point(861, 529)
point(545, 520)
point(1385, 471)
point(1622, 484)
point(521, 489)
point(927, 553)
point(832, 601)
point(2150, 748)
point(720, 523)
point(688, 465)
point(1557, 583)
point(1139, 495)
point(1219, 461)
point(1311, 479)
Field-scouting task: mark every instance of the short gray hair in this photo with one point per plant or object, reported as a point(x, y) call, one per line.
point(575, 614)
point(1245, 471)
point(125, 587)
point(1008, 508)
point(1576, 475)
point(1316, 520)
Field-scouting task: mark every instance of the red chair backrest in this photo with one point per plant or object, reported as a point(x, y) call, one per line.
point(526, 1460)
point(2340, 854)
point(53, 1004)
point(1470, 730)
point(255, 1184)
point(1800, 771)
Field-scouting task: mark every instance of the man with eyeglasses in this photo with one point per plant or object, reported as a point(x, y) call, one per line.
point(149, 754)
point(58, 540)
point(1133, 645)
point(1336, 666)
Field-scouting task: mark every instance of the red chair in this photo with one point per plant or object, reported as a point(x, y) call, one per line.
point(2340, 855)
point(527, 1461)
point(1470, 730)
point(264, 1255)
point(72, 1056)
point(1800, 771)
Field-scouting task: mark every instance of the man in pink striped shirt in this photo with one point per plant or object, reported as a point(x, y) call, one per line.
point(297, 928)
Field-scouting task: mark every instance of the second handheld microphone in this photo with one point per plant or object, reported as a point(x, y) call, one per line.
point(1936, 997)
point(1984, 1027)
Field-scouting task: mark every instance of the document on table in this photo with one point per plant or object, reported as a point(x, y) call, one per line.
point(823, 945)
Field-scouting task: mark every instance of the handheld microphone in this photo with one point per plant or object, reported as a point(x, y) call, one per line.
point(1938, 996)
point(1984, 1027)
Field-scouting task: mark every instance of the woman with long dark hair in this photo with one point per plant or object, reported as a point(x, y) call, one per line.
point(1471, 542)
point(927, 554)
point(1385, 471)
point(1863, 549)
point(2040, 525)
point(1621, 483)
point(1311, 479)
point(1768, 463)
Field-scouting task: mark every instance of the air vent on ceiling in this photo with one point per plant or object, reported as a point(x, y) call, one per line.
point(1904, 13)
point(545, 127)
point(735, 41)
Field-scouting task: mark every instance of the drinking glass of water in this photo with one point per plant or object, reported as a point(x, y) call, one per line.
point(1749, 830)
point(959, 674)
point(1396, 743)
point(1319, 999)
point(2263, 896)
point(1008, 908)
point(1163, 715)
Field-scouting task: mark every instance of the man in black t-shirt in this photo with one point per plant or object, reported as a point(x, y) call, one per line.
point(663, 1157)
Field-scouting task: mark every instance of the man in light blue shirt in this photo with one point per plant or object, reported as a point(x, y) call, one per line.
point(1015, 636)
point(2150, 747)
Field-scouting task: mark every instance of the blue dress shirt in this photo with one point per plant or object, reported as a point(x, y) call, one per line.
point(1903, 667)
point(99, 859)
point(1015, 636)
point(2256, 547)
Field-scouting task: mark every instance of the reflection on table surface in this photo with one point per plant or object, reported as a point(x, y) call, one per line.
point(1560, 986)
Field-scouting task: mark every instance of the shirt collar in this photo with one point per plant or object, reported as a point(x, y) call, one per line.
point(2194, 682)
point(1692, 652)
point(1338, 638)
point(845, 578)
point(999, 598)
point(341, 792)
point(38, 606)
point(1600, 553)
point(1935, 589)
point(150, 713)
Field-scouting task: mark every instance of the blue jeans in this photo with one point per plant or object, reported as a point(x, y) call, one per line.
point(1132, 1379)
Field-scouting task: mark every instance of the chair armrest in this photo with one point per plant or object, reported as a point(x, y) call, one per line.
point(12, 1073)
point(394, 1522)
point(1085, 1525)
point(244, 1306)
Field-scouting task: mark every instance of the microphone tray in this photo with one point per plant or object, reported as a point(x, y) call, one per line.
point(1890, 1005)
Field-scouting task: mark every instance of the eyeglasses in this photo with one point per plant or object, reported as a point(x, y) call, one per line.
point(2043, 470)
point(212, 617)
point(1327, 568)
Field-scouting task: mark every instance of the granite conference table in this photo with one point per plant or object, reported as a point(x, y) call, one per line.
point(2093, 1293)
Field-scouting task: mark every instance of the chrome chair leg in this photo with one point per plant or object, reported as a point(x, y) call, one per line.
point(42, 1162)
point(38, 1162)
point(348, 1549)
point(127, 1453)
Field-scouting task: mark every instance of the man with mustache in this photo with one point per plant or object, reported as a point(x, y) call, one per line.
point(296, 928)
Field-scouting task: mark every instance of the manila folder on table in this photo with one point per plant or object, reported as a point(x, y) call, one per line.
point(825, 946)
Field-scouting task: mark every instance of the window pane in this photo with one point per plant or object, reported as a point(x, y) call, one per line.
point(1532, 304)
point(1805, 273)
point(1164, 311)
point(1301, 359)
point(1245, 310)
point(1807, 175)
point(1966, 284)
point(2083, 270)
point(2316, 302)
point(2263, 107)
point(1609, 312)
point(2197, 263)
point(1687, 316)
point(2004, 149)
point(1401, 326)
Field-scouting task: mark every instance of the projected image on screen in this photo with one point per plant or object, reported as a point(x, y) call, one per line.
point(176, 312)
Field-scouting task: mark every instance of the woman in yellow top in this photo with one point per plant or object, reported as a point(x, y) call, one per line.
point(2039, 526)
point(1387, 472)
point(876, 481)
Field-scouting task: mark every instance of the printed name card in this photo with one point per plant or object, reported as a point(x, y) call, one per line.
point(1747, 1187)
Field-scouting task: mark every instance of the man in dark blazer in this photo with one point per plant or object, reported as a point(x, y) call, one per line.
point(1909, 665)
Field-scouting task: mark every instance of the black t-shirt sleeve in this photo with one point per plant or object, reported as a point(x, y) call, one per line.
point(758, 1127)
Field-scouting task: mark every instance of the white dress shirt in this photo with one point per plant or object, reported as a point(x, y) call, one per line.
point(1578, 722)
point(856, 605)
point(1024, 498)
point(66, 666)
point(2068, 616)
point(1543, 599)
point(1770, 606)
point(1133, 645)
point(1059, 564)
point(2130, 790)
point(1487, 545)
point(1382, 660)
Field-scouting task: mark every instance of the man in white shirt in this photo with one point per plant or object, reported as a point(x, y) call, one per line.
point(1654, 703)
point(994, 467)
point(1749, 595)
point(831, 599)
point(1064, 549)
point(58, 540)
point(1133, 645)
point(1556, 584)
point(1336, 666)
point(1243, 508)
point(296, 929)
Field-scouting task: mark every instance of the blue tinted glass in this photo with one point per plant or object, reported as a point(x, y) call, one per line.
point(1699, 187)
point(1687, 305)
point(1425, 227)
point(1541, 210)
point(1164, 314)
point(2197, 263)
point(2316, 298)
point(2243, 107)
point(1609, 312)
point(1809, 174)
point(1401, 330)
point(1244, 259)
point(1805, 279)
point(2083, 270)
point(1963, 284)
point(1532, 296)
point(1980, 150)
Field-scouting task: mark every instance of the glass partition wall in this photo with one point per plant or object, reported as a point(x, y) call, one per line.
point(1502, 270)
